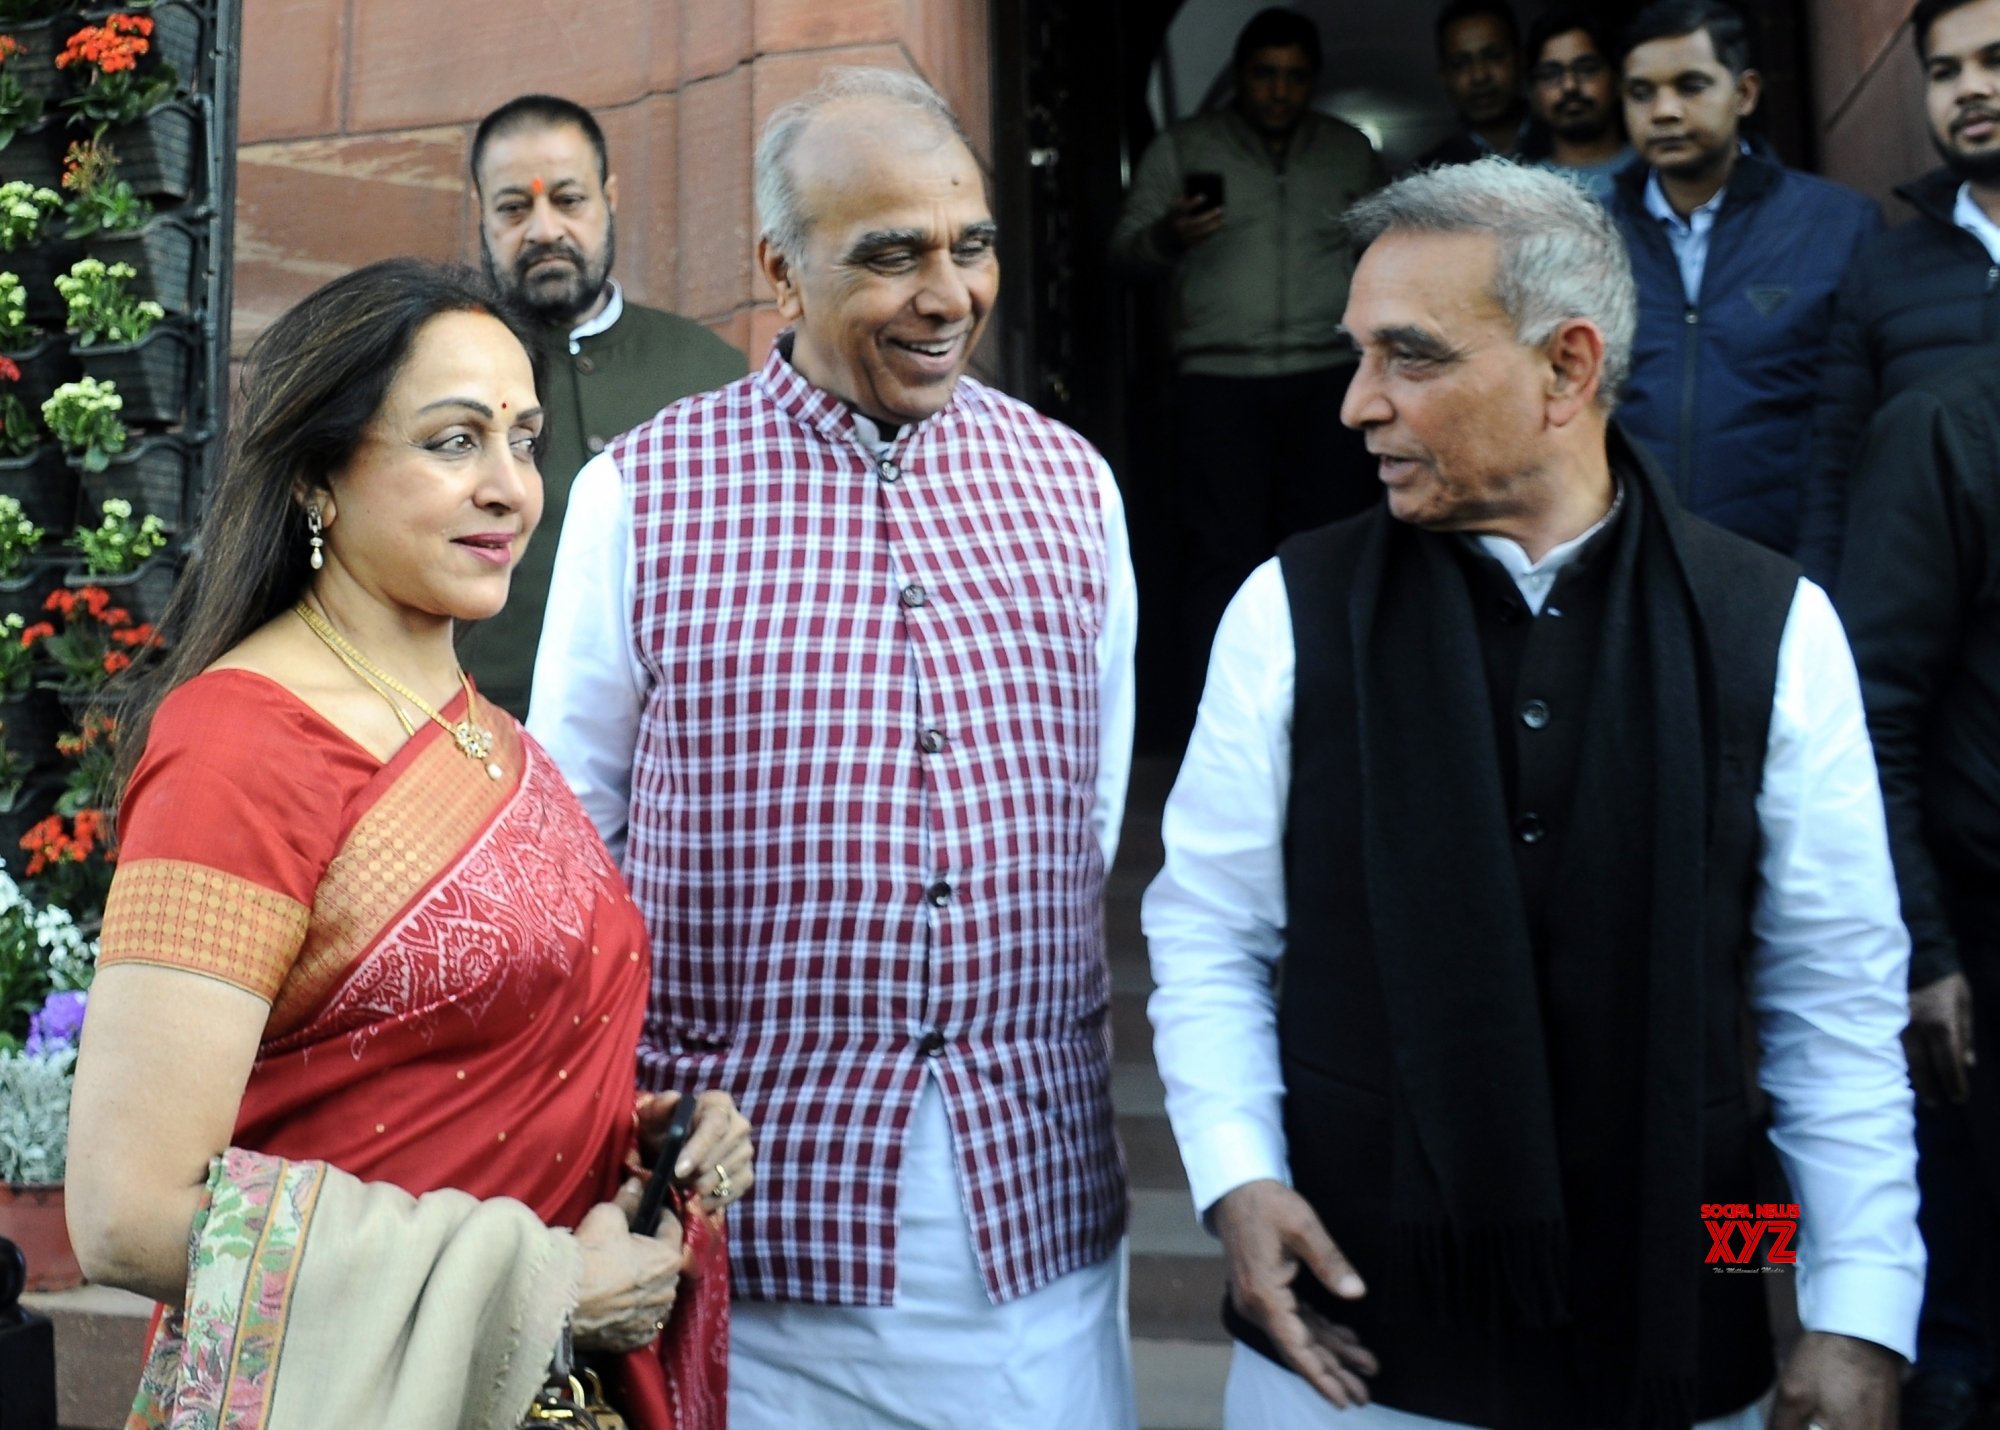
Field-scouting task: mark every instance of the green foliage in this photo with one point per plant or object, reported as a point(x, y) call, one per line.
point(23, 210)
point(118, 544)
point(83, 415)
point(101, 310)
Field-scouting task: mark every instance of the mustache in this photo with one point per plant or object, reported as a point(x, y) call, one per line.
point(1975, 115)
point(529, 257)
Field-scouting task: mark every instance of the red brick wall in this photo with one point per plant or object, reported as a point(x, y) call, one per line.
point(1869, 93)
point(357, 116)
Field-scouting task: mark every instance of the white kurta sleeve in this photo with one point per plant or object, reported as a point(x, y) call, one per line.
point(1829, 988)
point(590, 686)
point(1214, 918)
point(1117, 695)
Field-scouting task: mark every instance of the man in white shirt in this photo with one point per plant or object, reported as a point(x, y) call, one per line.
point(1503, 801)
point(839, 660)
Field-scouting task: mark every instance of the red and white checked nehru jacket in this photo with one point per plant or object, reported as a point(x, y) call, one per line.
point(860, 823)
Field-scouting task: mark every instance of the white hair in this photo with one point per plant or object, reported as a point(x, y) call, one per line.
point(1561, 255)
point(779, 214)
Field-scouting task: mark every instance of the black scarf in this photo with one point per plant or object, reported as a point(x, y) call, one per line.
point(1509, 1172)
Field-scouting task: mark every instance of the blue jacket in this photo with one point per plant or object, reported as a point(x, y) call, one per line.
point(1722, 391)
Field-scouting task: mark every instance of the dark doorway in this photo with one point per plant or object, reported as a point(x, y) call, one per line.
point(1079, 90)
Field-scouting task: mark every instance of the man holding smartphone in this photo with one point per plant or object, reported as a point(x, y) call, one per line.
point(1236, 208)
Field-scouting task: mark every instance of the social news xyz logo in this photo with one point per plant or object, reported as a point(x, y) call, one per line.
point(1737, 1231)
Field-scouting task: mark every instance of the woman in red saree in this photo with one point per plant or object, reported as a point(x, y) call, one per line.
point(360, 1050)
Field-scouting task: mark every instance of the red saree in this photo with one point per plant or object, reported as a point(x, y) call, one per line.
point(455, 970)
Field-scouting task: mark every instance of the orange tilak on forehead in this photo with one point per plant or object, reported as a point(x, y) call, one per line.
point(537, 187)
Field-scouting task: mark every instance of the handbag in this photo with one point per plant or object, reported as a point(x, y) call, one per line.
point(572, 1396)
point(689, 1364)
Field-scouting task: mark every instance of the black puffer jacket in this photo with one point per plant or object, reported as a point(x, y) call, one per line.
point(1917, 300)
point(1920, 593)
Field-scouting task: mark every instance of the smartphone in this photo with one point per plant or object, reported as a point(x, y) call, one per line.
point(646, 1221)
point(1205, 186)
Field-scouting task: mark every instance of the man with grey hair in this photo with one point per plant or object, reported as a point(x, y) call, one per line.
point(841, 660)
point(1531, 786)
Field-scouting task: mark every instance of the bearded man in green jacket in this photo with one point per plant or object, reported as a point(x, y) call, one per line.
point(547, 199)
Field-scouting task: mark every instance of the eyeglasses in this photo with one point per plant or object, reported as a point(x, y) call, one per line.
point(1582, 69)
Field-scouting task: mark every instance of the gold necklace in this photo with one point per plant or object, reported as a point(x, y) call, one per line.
point(474, 740)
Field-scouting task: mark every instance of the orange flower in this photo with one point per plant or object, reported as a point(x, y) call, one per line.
point(95, 599)
point(10, 47)
point(47, 842)
point(135, 635)
point(40, 630)
point(89, 829)
point(109, 48)
point(62, 601)
point(115, 661)
point(8, 371)
point(116, 617)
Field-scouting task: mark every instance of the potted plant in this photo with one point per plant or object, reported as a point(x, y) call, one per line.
point(46, 965)
point(33, 24)
point(33, 473)
point(19, 107)
point(161, 250)
point(114, 82)
point(37, 254)
point(121, 96)
point(31, 720)
point(122, 561)
point(40, 360)
point(118, 545)
point(83, 415)
point(19, 537)
point(99, 202)
point(96, 641)
point(117, 337)
point(179, 28)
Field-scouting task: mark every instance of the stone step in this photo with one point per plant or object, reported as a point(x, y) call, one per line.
point(1177, 1298)
point(1180, 1383)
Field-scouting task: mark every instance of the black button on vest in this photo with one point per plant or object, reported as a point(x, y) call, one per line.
point(1535, 714)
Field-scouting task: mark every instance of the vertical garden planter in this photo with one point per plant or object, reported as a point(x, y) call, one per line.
point(32, 1218)
point(44, 368)
point(151, 374)
point(179, 30)
point(37, 266)
point(34, 155)
point(26, 594)
point(163, 252)
point(30, 724)
point(144, 592)
point(35, 67)
point(44, 483)
point(151, 474)
point(156, 154)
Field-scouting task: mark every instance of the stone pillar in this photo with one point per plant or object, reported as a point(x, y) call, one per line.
point(357, 117)
point(1869, 93)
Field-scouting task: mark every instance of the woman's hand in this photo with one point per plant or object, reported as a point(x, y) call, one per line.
point(718, 1160)
point(628, 1283)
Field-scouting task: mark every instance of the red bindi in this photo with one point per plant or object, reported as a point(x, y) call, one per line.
point(536, 186)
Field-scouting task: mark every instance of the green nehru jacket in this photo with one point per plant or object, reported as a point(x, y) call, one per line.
point(616, 380)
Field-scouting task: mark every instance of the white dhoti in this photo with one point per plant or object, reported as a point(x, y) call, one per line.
point(1261, 1395)
point(943, 1356)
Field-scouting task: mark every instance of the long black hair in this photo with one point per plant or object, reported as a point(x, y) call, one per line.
point(312, 384)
